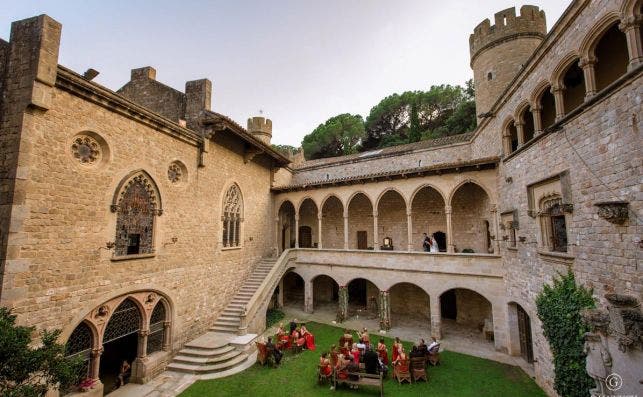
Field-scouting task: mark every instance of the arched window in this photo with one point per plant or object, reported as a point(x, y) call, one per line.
point(574, 83)
point(79, 345)
point(553, 225)
point(125, 321)
point(612, 57)
point(157, 329)
point(136, 203)
point(232, 217)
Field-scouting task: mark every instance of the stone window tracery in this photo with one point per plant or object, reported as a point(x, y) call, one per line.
point(232, 217)
point(156, 336)
point(136, 203)
point(126, 320)
point(79, 345)
point(553, 226)
point(86, 149)
point(174, 173)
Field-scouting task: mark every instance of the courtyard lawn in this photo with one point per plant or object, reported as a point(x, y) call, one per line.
point(459, 375)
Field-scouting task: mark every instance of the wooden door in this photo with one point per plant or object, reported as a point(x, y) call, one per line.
point(362, 240)
point(524, 329)
point(305, 237)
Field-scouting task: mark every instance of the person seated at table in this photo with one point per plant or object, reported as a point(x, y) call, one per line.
point(324, 365)
point(415, 352)
point(297, 338)
point(396, 348)
point(355, 353)
point(382, 351)
point(309, 337)
point(401, 356)
point(274, 351)
point(422, 347)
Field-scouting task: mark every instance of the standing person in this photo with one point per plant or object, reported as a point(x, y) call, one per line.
point(434, 244)
point(426, 243)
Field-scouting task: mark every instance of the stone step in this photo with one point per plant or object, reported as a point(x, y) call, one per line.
point(205, 352)
point(229, 317)
point(184, 359)
point(224, 322)
point(232, 312)
point(224, 329)
point(200, 369)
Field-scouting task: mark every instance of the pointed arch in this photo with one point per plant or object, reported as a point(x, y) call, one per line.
point(355, 194)
point(158, 327)
point(538, 91)
point(464, 182)
point(232, 217)
point(422, 186)
point(303, 199)
point(588, 44)
point(390, 189)
point(559, 71)
point(138, 177)
point(328, 197)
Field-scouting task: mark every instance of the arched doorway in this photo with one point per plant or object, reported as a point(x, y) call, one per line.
point(520, 332)
point(325, 294)
point(293, 293)
point(466, 313)
point(286, 217)
point(120, 342)
point(156, 340)
point(428, 216)
point(363, 298)
point(79, 346)
point(409, 306)
point(308, 224)
point(471, 212)
point(392, 222)
point(360, 222)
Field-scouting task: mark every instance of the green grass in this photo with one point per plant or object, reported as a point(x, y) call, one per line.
point(459, 375)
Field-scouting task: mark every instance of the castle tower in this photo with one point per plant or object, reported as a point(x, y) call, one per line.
point(498, 52)
point(261, 128)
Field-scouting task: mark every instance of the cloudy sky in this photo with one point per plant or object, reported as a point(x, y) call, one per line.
point(299, 62)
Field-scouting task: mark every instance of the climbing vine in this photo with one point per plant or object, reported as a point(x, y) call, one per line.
point(559, 306)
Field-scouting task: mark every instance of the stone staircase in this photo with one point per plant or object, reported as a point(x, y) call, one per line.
point(214, 355)
point(230, 319)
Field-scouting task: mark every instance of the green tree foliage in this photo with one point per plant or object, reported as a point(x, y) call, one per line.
point(414, 115)
point(339, 135)
point(286, 150)
point(559, 307)
point(27, 371)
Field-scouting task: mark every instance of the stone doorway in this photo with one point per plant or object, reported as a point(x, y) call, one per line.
point(305, 237)
point(524, 332)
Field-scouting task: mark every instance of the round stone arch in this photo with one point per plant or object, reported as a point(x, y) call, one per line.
point(354, 194)
point(475, 182)
point(589, 41)
point(410, 304)
point(522, 107)
point(325, 289)
point(558, 73)
point(422, 186)
point(389, 189)
point(538, 91)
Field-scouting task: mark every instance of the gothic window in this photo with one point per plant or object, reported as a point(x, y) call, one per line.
point(79, 345)
point(157, 329)
point(126, 320)
point(553, 226)
point(136, 203)
point(232, 217)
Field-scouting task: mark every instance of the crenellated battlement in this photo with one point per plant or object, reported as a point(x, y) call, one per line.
point(261, 128)
point(530, 22)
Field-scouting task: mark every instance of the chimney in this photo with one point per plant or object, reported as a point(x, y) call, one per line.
point(198, 97)
point(261, 128)
point(146, 72)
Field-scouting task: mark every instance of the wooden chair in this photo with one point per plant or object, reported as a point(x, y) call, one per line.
point(418, 368)
point(434, 355)
point(293, 345)
point(401, 371)
point(262, 353)
point(322, 377)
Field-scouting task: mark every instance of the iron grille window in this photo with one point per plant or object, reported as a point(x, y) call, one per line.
point(79, 346)
point(554, 229)
point(126, 320)
point(232, 208)
point(135, 219)
point(157, 329)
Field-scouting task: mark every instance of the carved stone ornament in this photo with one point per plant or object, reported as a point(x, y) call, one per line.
point(151, 298)
point(174, 173)
point(613, 211)
point(85, 149)
point(102, 311)
point(626, 321)
point(597, 320)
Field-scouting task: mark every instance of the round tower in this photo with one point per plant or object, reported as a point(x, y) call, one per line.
point(498, 52)
point(261, 128)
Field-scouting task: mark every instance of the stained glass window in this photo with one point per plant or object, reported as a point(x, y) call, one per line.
point(232, 213)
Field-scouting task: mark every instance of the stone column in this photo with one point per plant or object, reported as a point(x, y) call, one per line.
point(342, 304)
point(450, 247)
point(167, 338)
point(538, 121)
point(95, 363)
point(436, 317)
point(520, 128)
point(277, 235)
point(345, 230)
point(506, 143)
point(385, 311)
point(631, 26)
point(297, 231)
point(142, 343)
point(559, 101)
point(376, 234)
point(496, 229)
point(319, 227)
point(587, 64)
point(409, 224)
point(280, 295)
point(308, 296)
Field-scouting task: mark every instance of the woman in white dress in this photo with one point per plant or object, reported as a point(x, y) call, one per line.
point(433, 245)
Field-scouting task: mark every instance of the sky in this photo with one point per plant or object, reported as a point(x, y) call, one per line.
point(295, 62)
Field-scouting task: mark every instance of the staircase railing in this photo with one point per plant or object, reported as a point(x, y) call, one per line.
point(264, 290)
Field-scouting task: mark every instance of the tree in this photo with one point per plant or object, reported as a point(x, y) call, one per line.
point(559, 307)
point(27, 371)
point(339, 135)
point(286, 150)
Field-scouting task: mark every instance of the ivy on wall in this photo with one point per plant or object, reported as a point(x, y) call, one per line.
point(559, 306)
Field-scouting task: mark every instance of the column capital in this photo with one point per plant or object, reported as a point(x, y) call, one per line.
point(319, 216)
point(277, 219)
point(519, 123)
point(144, 332)
point(448, 209)
point(345, 215)
point(535, 108)
point(587, 62)
point(557, 88)
point(297, 217)
point(375, 214)
point(97, 352)
point(630, 22)
point(167, 324)
point(493, 209)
